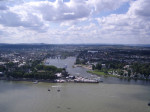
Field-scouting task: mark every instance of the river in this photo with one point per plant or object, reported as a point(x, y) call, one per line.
point(114, 95)
point(60, 63)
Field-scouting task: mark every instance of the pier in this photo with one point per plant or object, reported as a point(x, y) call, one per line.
point(79, 80)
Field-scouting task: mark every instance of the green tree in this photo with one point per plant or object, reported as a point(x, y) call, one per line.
point(98, 66)
point(93, 67)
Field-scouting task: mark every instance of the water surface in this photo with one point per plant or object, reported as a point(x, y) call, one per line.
point(114, 95)
point(73, 97)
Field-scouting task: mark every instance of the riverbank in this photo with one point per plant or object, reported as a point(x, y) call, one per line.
point(60, 80)
point(100, 73)
point(89, 67)
point(28, 80)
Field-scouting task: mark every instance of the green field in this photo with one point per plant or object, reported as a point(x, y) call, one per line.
point(96, 72)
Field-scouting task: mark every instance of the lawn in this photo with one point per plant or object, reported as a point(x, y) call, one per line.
point(96, 72)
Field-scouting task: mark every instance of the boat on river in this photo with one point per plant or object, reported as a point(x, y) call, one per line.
point(35, 82)
point(84, 80)
point(149, 104)
point(58, 90)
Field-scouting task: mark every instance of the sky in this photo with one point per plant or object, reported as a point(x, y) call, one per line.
point(75, 21)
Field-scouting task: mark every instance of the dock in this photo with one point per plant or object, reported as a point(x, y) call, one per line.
point(78, 80)
point(83, 80)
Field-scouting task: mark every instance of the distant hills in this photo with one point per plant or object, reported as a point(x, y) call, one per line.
point(45, 44)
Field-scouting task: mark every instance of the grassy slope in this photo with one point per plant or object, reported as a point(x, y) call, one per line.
point(100, 73)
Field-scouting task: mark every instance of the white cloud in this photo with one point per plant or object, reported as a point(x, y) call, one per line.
point(132, 26)
point(74, 22)
point(34, 13)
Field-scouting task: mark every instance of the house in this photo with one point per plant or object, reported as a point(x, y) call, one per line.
point(59, 75)
point(103, 65)
point(1, 74)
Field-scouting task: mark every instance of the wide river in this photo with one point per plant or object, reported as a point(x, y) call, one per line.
point(114, 95)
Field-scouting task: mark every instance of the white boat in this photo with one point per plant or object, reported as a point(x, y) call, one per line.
point(56, 86)
point(99, 79)
point(35, 82)
point(60, 81)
